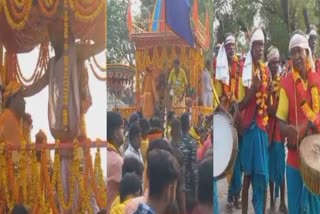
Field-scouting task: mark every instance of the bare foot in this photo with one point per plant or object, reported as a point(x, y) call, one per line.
point(272, 208)
point(237, 204)
point(283, 208)
point(229, 207)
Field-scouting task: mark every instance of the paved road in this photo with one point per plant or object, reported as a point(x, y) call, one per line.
point(222, 194)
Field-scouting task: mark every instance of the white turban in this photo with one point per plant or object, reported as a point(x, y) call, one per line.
point(313, 33)
point(222, 67)
point(248, 64)
point(301, 41)
point(230, 39)
point(273, 53)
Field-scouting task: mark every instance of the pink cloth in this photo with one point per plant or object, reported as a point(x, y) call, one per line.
point(202, 151)
point(133, 204)
point(114, 174)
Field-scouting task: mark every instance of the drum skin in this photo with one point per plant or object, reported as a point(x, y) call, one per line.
point(309, 153)
point(225, 144)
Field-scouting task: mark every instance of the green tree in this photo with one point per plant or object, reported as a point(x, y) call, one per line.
point(282, 18)
point(120, 48)
point(279, 18)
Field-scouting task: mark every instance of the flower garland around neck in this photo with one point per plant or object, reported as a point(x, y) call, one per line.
point(262, 96)
point(311, 113)
point(230, 90)
point(275, 89)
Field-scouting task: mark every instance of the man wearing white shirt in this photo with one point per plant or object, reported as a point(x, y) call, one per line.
point(134, 143)
point(207, 87)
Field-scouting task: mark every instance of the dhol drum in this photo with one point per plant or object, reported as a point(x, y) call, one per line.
point(309, 152)
point(225, 144)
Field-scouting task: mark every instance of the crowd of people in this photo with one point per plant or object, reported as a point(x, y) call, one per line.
point(273, 102)
point(153, 168)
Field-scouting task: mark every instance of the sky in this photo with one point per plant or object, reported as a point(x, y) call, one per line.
point(37, 106)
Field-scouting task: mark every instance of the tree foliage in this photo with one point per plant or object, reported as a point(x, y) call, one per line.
point(120, 48)
point(278, 17)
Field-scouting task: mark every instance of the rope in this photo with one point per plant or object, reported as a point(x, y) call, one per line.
point(41, 66)
point(97, 75)
point(99, 66)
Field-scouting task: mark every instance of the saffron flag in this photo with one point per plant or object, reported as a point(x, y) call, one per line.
point(178, 19)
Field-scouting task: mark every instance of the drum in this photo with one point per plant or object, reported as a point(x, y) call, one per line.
point(225, 144)
point(309, 152)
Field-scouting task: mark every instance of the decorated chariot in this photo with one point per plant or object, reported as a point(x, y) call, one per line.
point(157, 46)
point(28, 176)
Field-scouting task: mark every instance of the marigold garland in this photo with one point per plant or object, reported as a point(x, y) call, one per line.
point(315, 99)
point(48, 7)
point(71, 179)
point(274, 96)
point(310, 113)
point(230, 90)
point(17, 17)
point(48, 186)
point(86, 194)
point(261, 98)
point(65, 115)
point(98, 175)
point(37, 191)
point(41, 66)
point(6, 167)
point(89, 11)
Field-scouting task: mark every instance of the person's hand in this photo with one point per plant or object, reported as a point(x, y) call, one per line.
point(296, 133)
point(272, 111)
point(291, 132)
point(256, 83)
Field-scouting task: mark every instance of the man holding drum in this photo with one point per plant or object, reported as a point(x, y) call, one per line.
point(227, 77)
point(276, 149)
point(298, 112)
point(254, 151)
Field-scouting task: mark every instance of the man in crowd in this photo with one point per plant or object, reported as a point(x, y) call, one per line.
point(276, 147)
point(114, 158)
point(178, 84)
point(207, 87)
point(163, 173)
point(295, 97)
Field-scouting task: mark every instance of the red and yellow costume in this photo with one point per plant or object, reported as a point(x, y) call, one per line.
point(13, 131)
point(296, 105)
point(317, 64)
point(233, 90)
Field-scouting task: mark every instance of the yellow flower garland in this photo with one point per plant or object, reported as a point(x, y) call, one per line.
point(310, 113)
point(89, 11)
point(36, 192)
point(261, 98)
point(17, 19)
point(315, 99)
point(48, 7)
point(100, 189)
point(71, 179)
point(4, 184)
point(66, 68)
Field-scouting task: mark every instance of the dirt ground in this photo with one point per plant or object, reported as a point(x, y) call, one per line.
point(223, 193)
